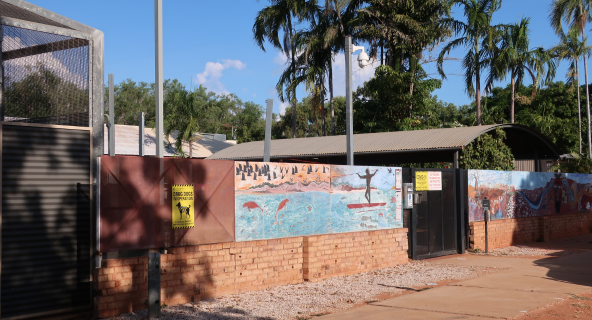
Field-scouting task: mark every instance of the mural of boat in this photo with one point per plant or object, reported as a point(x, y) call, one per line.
point(365, 205)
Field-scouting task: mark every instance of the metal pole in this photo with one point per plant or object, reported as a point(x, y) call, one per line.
point(141, 135)
point(455, 164)
point(267, 145)
point(158, 78)
point(111, 125)
point(348, 102)
point(154, 302)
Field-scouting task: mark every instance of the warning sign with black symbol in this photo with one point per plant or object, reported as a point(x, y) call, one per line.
point(183, 207)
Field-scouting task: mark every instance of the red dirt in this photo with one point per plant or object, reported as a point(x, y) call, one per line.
point(576, 307)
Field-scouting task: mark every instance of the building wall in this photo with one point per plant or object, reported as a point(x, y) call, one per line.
point(193, 273)
point(507, 232)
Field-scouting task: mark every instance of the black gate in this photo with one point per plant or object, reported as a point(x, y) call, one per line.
point(46, 219)
point(433, 231)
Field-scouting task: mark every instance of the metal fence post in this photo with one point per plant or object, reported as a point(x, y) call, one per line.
point(267, 144)
point(111, 125)
point(154, 285)
point(158, 89)
point(141, 135)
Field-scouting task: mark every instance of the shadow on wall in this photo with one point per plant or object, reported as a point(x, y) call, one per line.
point(46, 220)
point(136, 214)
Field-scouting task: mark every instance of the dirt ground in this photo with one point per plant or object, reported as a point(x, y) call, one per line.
point(575, 307)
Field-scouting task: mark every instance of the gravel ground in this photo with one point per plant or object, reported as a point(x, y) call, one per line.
point(301, 301)
point(526, 251)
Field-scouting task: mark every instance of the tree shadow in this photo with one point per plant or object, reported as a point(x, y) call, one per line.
point(47, 222)
point(137, 208)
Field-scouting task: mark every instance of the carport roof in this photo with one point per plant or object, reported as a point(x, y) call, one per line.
point(380, 143)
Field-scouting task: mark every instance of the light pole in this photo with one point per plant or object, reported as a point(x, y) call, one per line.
point(363, 61)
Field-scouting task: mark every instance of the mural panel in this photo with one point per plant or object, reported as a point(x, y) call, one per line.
point(517, 194)
point(365, 198)
point(275, 200)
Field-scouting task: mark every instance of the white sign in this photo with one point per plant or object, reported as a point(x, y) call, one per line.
point(398, 179)
point(434, 180)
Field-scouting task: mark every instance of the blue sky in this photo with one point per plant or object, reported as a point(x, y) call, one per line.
point(211, 42)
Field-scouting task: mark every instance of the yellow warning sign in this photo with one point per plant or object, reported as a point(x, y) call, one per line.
point(421, 181)
point(183, 206)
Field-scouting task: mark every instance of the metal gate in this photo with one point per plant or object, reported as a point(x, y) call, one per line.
point(434, 225)
point(46, 219)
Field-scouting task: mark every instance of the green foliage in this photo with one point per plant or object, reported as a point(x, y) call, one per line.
point(250, 123)
point(488, 152)
point(385, 100)
point(130, 99)
point(41, 94)
point(579, 164)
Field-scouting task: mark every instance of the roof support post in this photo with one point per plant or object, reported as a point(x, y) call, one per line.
point(348, 102)
point(455, 162)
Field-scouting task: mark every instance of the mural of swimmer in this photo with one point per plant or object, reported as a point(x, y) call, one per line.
point(516, 194)
point(275, 200)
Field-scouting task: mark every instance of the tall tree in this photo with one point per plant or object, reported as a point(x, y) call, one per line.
point(183, 112)
point(515, 57)
point(479, 35)
point(571, 49)
point(576, 14)
point(282, 16)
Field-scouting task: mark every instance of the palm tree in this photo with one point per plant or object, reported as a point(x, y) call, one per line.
point(570, 48)
point(479, 35)
point(515, 57)
point(184, 111)
point(282, 16)
point(575, 13)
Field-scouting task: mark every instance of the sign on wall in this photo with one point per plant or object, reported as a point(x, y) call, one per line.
point(183, 207)
point(428, 181)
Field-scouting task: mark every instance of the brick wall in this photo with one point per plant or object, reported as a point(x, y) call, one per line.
point(507, 232)
point(198, 272)
point(348, 253)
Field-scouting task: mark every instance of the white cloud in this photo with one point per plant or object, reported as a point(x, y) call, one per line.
point(254, 95)
point(359, 75)
point(282, 107)
point(244, 89)
point(280, 59)
point(210, 78)
point(272, 92)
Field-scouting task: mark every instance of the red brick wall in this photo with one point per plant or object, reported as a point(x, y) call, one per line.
point(197, 272)
point(348, 253)
point(507, 232)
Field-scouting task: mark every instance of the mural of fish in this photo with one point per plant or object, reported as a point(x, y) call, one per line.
point(280, 207)
point(252, 205)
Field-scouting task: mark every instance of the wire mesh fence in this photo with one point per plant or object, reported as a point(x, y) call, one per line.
point(45, 78)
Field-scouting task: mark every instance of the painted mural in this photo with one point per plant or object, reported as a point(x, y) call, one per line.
point(365, 198)
point(517, 194)
point(275, 200)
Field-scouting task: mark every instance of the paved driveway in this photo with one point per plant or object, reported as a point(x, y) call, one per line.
point(523, 285)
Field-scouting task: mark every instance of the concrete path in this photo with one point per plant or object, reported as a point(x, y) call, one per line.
point(524, 285)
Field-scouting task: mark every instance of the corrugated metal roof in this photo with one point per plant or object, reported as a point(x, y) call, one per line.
point(399, 141)
point(126, 143)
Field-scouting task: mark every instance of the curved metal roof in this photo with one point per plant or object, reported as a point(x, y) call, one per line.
point(383, 142)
